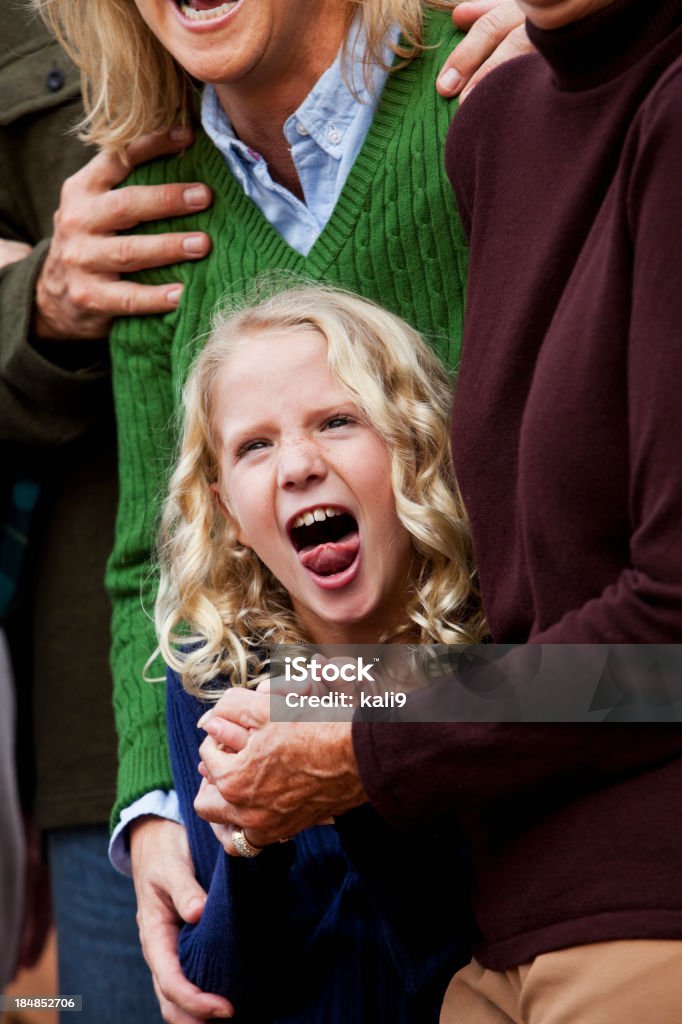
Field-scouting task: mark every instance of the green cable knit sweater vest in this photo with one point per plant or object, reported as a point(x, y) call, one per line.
point(394, 237)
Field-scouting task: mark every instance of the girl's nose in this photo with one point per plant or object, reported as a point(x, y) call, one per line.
point(300, 464)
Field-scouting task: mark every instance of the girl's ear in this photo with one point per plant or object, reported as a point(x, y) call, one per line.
point(227, 513)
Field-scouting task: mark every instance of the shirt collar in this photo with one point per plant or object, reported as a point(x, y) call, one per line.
point(327, 111)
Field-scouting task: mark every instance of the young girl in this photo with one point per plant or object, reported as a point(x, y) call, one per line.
point(314, 501)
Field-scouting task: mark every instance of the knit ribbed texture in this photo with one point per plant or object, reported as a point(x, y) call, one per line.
point(394, 237)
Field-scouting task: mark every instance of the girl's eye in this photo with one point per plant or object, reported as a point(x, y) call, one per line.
point(251, 446)
point(338, 421)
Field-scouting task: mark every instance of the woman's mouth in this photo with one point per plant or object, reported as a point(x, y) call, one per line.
point(205, 10)
point(327, 542)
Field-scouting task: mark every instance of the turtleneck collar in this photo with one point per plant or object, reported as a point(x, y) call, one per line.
point(598, 48)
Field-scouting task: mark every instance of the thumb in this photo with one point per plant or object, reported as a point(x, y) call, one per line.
point(188, 899)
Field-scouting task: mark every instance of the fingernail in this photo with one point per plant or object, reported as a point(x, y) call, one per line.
point(173, 294)
point(195, 245)
point(204, 718)
point(196, 195)
point(450, 80)
point(180, 133)
point(220, 1013)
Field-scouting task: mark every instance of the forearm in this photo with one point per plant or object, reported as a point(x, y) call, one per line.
point(420, 772)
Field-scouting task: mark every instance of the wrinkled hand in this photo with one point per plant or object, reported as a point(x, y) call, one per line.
point(168, 894)
point(287, 777)
point(12, 252)
point(496, 34)
point(79, 289)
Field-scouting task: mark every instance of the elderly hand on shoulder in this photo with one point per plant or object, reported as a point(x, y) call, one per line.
point(80, 288)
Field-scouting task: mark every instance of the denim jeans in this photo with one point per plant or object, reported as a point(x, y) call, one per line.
point(98, 944)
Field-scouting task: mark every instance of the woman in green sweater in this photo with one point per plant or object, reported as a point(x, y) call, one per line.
point(393, 234)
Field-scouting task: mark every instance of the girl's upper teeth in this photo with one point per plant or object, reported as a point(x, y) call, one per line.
point(317, 515)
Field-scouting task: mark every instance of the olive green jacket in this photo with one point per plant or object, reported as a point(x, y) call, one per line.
point(55, 403)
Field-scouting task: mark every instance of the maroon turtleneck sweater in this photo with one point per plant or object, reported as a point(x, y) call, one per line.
point(567, 439)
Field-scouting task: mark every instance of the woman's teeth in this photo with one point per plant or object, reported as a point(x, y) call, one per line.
point(206, 15)
point(318, 515)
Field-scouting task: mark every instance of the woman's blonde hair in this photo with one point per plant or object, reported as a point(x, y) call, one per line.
point(218, 604)
point(132, 85)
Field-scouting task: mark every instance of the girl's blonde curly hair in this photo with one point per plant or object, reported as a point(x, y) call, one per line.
point(218, 605)
point(132, 85)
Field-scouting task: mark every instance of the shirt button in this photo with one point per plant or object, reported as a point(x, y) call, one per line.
point(301, 129)
point(55, 80)
point(334, 136)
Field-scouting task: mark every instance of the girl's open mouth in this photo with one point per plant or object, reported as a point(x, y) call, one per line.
point(327, 541)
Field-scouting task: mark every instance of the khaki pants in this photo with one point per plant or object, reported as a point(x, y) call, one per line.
point(628, 982)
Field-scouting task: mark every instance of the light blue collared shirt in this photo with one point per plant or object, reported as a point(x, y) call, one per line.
point(326, 134)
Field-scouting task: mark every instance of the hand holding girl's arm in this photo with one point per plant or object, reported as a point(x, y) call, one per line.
point(168, 894)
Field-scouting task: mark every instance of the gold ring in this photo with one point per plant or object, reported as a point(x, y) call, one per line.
point(242, 845)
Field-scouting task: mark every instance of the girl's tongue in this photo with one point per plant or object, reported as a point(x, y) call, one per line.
point(335, 556)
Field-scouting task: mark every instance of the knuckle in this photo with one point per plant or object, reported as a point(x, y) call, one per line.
point(66, 221)
point(119, 208)
point(519, 40)
point(83, 296)
point(124, 254)
point(70, 255)
point(167, 197)
point(490, 27)
point(142, 148)
point(127, 304)
point(169, 250)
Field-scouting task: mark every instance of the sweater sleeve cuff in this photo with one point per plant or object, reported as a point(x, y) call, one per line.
point(376, 767)
point(141, 771)
point(48, 374)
